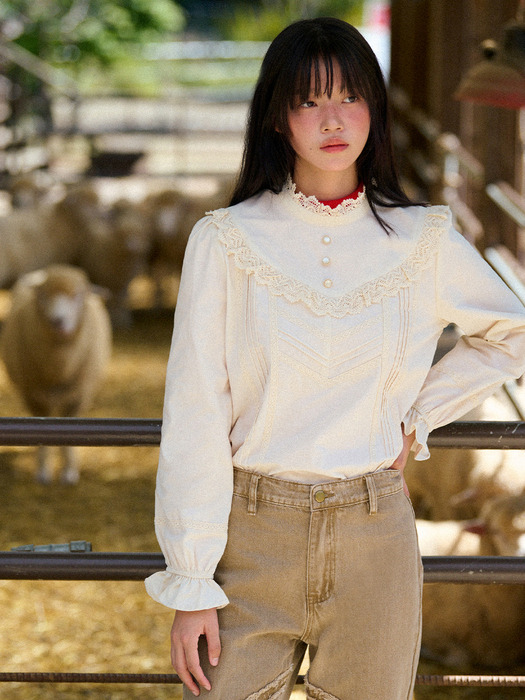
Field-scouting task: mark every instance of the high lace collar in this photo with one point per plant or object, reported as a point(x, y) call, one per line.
point(314, 206)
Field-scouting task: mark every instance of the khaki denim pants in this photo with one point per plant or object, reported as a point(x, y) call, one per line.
point(331, 567)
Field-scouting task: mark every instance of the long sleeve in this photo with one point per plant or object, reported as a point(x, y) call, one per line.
point(490, 351)
point(195, 473)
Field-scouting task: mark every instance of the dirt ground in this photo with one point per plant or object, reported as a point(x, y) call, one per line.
point(102, 626)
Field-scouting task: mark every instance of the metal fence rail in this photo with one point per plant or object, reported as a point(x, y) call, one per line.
point(470, 435)
point(172, 678)
point(135, 566)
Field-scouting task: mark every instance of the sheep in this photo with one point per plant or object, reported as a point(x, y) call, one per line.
point(114, 254)
point(56, 344)
point(173, 214)
point(475, 624)
point(455, 483)
point(36, 236)
point(30, 189)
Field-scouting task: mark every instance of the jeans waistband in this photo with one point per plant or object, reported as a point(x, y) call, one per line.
point(329, 494)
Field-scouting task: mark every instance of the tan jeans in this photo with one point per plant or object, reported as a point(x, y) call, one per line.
point(334, 567)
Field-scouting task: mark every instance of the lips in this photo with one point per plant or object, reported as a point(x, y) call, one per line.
point(334, 146)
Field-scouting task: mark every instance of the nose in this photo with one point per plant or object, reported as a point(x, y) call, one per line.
point(331, 120)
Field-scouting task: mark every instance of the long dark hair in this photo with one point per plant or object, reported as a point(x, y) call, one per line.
point(294, 58)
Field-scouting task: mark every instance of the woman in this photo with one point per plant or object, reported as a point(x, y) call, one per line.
point(300, 378)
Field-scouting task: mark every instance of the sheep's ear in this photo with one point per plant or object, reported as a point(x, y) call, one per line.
point(103, 292)
point(464, 497)
point(36, 278)
point(477, 527)
point(518, 521)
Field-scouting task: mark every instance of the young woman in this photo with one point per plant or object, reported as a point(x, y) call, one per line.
point(299, 379)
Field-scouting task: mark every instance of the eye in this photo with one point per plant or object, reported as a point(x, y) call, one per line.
point(307, 104)
point(351, 99)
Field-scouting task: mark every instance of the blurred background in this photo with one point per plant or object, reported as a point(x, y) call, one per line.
point(156, 88)
point(121, 123)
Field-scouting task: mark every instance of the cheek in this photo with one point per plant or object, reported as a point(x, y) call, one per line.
point(293, 140)
point(362, 122)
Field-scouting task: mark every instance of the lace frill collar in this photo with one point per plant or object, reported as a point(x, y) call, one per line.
point(353, 302)
point(312, 205)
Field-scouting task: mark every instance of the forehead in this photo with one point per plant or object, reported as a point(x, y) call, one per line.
point(322, 75)
point(324, 78)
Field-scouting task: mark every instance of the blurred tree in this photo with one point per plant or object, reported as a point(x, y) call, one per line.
point(264, 19)
point(68, 31)
point(75, 35)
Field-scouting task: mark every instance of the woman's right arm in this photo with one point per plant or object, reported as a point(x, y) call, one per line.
point(195, 473)
point(185, 632)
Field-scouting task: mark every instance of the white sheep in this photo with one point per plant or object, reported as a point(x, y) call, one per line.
point(34, 237)
point(172, 214)
point(56, 344)
point(475, 624)
point(30, 189)
point(114, 254)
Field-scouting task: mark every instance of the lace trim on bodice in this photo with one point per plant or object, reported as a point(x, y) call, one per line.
point(312, 204)
point(353, 302)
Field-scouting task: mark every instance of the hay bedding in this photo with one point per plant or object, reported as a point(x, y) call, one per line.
point(90, 626)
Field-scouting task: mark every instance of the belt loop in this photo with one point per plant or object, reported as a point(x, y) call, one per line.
point(252, 496)
point(372, 494)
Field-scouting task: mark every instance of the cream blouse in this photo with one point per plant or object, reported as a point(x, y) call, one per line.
point(303, 341)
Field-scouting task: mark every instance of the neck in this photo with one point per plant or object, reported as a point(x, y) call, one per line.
point(326, 186)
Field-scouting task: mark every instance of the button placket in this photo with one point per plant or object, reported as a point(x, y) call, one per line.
point(326, 260)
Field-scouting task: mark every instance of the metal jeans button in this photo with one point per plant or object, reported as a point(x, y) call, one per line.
point(319, 496)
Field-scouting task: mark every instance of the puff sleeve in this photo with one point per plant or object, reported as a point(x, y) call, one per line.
point(490, 351)
point(195, 473)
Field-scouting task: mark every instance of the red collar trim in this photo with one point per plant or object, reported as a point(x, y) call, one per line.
point(333, 203)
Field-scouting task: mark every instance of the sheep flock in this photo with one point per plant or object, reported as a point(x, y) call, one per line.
point(67, 264)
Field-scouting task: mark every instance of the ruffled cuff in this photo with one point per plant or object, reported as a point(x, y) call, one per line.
point(185, 592)
point(415, 423)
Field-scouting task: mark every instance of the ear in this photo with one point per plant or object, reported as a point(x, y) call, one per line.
point(102, 292)
point(477, 527)
point(36, 278)
point(464, 497)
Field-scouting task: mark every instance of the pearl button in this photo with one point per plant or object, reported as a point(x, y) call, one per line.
point(326, 261)
point(327, 283)
point(327, 240)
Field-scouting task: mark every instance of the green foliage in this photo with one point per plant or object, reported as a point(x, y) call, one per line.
point(71, 31)
point(264, 19)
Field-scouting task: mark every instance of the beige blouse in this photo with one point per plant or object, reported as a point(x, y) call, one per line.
point(303, 341)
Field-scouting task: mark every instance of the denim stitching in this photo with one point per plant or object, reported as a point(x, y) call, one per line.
point(314, 693)
point(372, 494)
point(270, 691)
point(252, 498)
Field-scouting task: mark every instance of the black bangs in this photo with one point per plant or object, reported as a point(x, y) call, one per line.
point(305, 56)
point(318, 73)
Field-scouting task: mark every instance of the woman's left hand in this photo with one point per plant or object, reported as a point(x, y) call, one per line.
point(401, 460)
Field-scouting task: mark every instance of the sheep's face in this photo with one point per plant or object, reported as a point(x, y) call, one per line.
point(505, 520)
point(166, 210)
point(168, 220)
point(60, 300)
